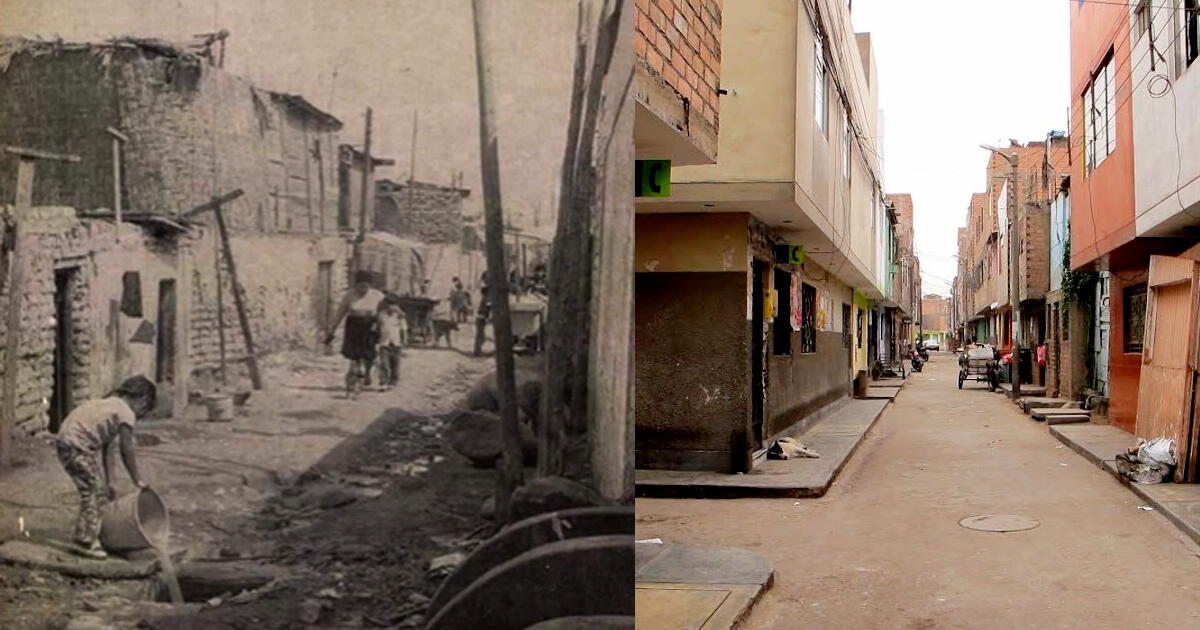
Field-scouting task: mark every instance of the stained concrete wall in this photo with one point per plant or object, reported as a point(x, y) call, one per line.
point(692, 352)
point(421, 211)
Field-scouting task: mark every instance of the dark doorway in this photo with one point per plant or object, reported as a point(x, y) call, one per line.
point(164, 370)
point(758, 350)
point(324, 297)
point(63, 389)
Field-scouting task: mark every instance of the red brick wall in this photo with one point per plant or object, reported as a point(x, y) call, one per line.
point(681, 41)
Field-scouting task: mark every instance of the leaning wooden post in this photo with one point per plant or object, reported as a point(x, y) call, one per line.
point(239, 298)
point(512, 464)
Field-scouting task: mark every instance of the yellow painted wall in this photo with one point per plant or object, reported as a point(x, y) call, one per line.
point(691, 242)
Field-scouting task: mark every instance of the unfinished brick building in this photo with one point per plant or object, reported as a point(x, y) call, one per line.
point(193, 131)
point(421, 211)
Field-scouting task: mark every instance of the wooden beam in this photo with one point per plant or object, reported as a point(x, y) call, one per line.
point(16, 288)
point(214, 203)
point(41, 155)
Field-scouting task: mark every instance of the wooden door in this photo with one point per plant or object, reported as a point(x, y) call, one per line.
point(324, 296)
point(1167, 384)
point(164, 364)
point(1101, 336)
point(63, 385)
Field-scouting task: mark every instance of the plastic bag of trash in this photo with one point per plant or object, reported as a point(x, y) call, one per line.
point(1156, 451)
point(1131, 468)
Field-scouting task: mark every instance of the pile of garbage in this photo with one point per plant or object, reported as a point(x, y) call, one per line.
point(1148, 462)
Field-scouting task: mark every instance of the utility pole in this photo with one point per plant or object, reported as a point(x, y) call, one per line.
point(366, 194)
point(412, 163)
point(1014, 278)
point(511, 466)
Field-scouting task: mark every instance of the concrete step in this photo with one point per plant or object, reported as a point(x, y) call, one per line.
point(1067, 419)
point(1045, 412)
point(1026, 389)
point(1036, 402)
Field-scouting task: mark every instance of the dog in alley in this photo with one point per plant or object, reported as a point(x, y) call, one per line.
point(790, 448)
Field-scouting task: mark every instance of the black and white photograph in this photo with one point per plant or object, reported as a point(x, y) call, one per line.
point(316, 315)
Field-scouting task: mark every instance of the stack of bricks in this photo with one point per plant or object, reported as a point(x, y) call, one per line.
point(680, 40)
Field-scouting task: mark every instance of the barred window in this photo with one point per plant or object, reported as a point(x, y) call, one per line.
point(1134, 305)
point(845, 325)
point(808, 328)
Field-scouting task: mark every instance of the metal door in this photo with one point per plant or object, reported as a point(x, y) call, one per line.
point(1101, 336)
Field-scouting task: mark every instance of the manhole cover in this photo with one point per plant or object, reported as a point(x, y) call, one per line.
point(999, 523)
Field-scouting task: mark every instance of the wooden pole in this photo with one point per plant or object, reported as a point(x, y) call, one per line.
point(366, 194)
point(511, 467)
point(220, 312)
point(118, 138)
point(239, 298)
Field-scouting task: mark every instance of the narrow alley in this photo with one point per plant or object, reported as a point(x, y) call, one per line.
point(884, 548)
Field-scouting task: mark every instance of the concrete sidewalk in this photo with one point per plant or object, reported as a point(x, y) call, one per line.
point(835, 435)
point(1100, 444)
point(684, 587)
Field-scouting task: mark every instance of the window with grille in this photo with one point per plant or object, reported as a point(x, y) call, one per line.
point(1100, 115)
point(845, 325)
point(1191, 15)
point(1134, 304)
point(808, 328)
point(861, 319)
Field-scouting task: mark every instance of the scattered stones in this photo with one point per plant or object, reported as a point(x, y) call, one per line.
point(335, 498)
point(329, 593)
point(418, 599)
point(476, 436)
point(488, 509)
point(310, 611)
point(548, 494)
point(413, 621)
point(442, 566)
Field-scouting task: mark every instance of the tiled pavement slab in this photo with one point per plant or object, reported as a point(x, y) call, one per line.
point(834, 437)
point(1100, 444)
point(697, 588)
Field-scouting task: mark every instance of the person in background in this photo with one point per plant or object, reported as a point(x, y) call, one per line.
point(393, 333)
point(360, 309)
point(482, 314)
point(460, 302)
point(97, 427)
point(537, 283)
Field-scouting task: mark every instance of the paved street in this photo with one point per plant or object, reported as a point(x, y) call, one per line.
point(883, 549)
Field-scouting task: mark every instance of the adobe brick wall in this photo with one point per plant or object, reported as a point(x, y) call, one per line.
point(680, 41)
point(192, 135)
point(90, 249)
point(433, 214)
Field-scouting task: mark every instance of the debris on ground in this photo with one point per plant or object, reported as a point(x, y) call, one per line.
point(443, 566)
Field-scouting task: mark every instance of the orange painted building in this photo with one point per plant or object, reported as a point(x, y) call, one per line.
point(1104, 235)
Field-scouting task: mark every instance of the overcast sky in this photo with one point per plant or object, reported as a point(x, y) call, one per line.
point(397, 56)
point(954, 74)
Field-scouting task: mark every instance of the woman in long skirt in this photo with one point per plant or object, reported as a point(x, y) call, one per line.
point(360, 308)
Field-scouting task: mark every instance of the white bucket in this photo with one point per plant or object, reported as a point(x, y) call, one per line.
point(220, 408)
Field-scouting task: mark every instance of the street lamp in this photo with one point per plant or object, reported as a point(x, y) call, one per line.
point(1013, 292)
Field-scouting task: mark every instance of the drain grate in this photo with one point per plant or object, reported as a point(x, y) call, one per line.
point(999, 523)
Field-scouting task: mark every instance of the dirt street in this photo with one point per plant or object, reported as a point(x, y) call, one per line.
point(883, 549)
point(348, 499)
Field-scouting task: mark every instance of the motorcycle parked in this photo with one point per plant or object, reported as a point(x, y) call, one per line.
point(917, 361)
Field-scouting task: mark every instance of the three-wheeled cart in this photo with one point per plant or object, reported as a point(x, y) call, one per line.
point(528, 316)
point(419, 313)
point(979, 364)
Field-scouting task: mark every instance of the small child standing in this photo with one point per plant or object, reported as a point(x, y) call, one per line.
point(94, 428)
point(393, 328)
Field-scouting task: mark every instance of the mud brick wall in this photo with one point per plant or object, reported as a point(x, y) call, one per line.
point(190, 136)
point(90, 250)
point(680, 40)
point(433, 214)
point(279, 279)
